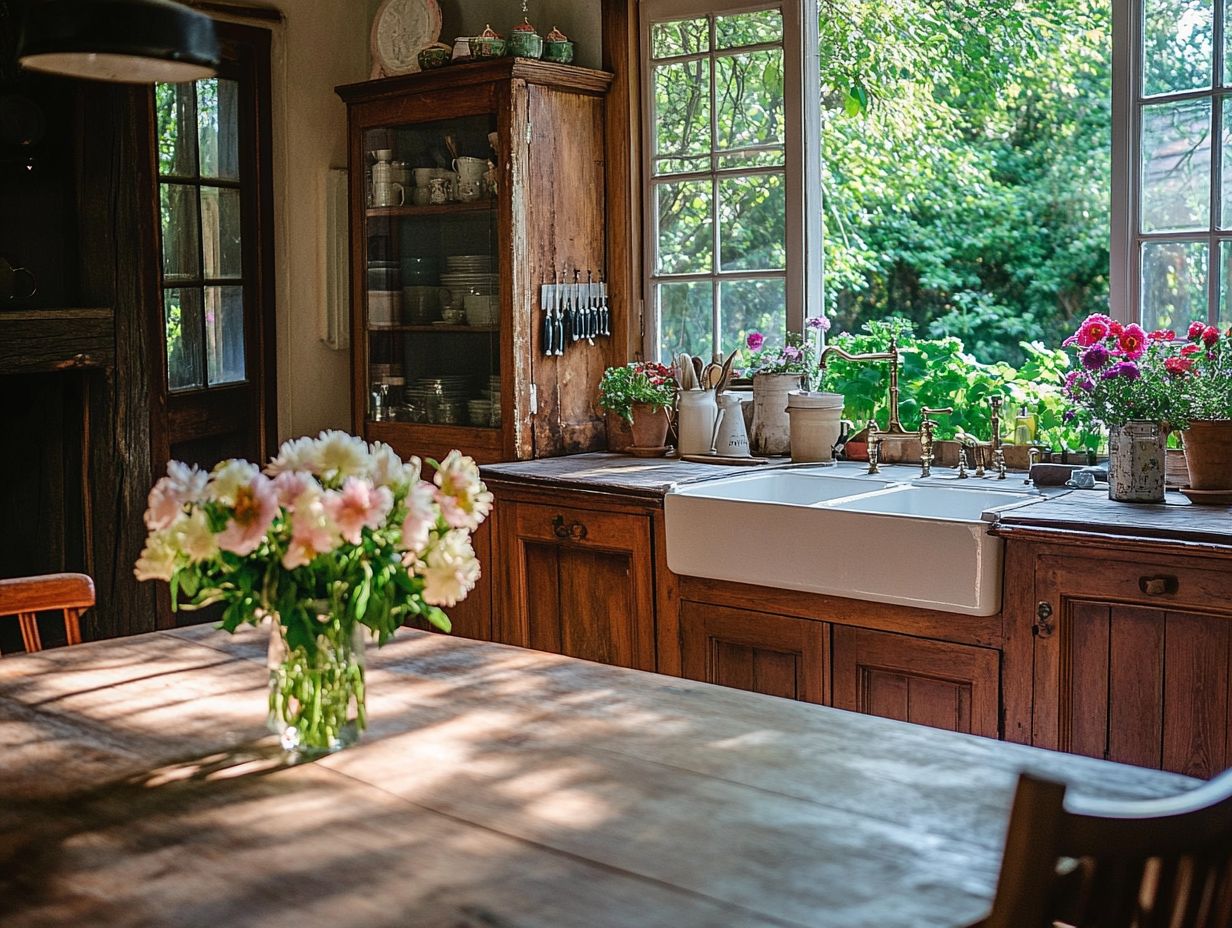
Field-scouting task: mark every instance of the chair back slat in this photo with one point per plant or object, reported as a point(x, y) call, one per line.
point(25, 597)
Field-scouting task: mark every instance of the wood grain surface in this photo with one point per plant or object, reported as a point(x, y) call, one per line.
point(496, 787)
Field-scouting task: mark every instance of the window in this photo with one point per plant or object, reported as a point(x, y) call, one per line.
point(1175, 163)
point(201, 204)
point(723, 166)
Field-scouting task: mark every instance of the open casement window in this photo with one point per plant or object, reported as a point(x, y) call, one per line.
point(1172, 209)
point(724, 178)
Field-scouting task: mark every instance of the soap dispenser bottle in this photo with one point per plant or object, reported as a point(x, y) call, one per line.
point(1024, 427)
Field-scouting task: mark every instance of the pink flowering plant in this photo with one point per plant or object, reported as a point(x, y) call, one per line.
point(797, 356)
point(334, 536)
point(1122, 374)
point(1200, 370)
point(636, 382)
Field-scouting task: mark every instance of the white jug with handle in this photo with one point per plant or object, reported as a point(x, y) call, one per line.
point(695, 420)
point(731, 439)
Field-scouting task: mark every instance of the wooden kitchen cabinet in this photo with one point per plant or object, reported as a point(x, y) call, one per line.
point(777, 655)
point(1132, 658)
point(936, 683)
point(578, 582)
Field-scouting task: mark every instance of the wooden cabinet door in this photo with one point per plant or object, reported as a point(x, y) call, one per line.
point(937, 683)
point(580, 582)
point(1120, 677)
point(773, 654)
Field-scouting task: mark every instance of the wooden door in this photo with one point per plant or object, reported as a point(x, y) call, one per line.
point(937, 683)
point(773, 654)
point(580, 582)
point(1135, 682)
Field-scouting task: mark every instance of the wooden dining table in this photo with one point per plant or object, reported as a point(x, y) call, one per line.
point(495, 788)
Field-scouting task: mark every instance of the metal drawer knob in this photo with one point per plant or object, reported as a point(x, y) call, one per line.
point(1158, 586)
point(576, 531)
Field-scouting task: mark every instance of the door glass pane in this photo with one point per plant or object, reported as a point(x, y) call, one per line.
point(182, 318)
point(224, 333)
point(752, 216)
point(1176, 40)
point(181, 248)
point(220, 225)
point(177, 142)
point(749, 99)
point(686, 319)
point(686, 228)
point(748, 29)
point(683, 37)
point(1176, 166)
point(218, 126)
point(1174, 276)
point(682, 117)
point(752, 306)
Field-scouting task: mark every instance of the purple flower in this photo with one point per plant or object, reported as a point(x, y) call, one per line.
point(1127, 369)
point(792, 353)
point(1069, 416)
point(1095, 357)
point(755, 340)
point(1076, 381)
point(819, 322)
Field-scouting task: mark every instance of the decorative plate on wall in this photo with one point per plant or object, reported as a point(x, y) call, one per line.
point(399, 30)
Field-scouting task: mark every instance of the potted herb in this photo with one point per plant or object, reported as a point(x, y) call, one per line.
point(641, 394)
point(776, 371)
point(1201, 372)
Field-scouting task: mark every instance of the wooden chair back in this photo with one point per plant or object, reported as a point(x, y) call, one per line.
point(1161, 863)
point(25, 597)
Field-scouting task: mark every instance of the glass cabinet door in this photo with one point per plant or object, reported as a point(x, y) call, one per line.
point(433, 292)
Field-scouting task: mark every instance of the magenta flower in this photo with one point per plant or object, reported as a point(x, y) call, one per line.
point(1195, 330)
point(755, 340)
point(1095, 357)
point(1132, 341)
point(1094, 329)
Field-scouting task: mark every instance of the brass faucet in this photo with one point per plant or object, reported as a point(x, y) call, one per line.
point(894, 426)
point(874, 447)
point(927, 429)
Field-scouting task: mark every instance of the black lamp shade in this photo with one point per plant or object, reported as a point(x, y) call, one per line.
point(128, 41)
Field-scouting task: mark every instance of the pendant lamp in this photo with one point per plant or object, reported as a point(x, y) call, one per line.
point(125, 41)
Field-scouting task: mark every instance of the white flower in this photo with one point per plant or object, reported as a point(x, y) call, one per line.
point(464, 500)
point(389, 470)
point(157, 561)
point(339, 455)
point(449, 569)
point(298, 454)
point(227, 478)
point(183, 484)
point(195, 537)
point(421, 516)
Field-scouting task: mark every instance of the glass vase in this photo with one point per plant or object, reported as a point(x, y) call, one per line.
point(1136, 462)
point(316, 696)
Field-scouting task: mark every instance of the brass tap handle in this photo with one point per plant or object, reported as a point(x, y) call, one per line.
point(995, 404)
point(928, 429)
point(962, 463)
point(874, 448)
point(998, 461)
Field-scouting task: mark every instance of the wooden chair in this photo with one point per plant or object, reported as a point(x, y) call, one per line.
point(24, 597)
point(1160, 863)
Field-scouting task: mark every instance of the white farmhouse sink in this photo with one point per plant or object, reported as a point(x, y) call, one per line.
point(879, 539)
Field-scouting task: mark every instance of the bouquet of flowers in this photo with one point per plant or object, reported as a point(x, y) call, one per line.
point(1201, 370)
point(637, 382)
point(335, 536)
point(797, 356)
point(1123, 374)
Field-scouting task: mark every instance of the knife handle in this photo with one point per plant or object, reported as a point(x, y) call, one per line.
point(549, 333)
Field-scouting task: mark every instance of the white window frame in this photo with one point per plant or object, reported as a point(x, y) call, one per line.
point(802, 165)
point(1128, 102)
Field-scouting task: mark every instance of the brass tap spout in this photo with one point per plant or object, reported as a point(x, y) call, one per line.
point(894, 426)
point(928, 429)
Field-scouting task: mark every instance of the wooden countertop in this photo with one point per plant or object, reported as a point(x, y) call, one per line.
point(608, 473)
point(497, 788)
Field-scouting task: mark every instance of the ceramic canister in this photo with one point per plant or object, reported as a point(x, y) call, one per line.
point(731, 439)
point(695, 418)
point(816, 423)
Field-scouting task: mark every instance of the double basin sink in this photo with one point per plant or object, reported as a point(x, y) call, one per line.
point(833, 530)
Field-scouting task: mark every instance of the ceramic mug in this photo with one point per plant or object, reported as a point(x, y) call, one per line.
point(388, 194)
point(481, 308)
point(438, 191)
point(469, 192)
point(470, 170)
point(423, 304)
point(423, 176)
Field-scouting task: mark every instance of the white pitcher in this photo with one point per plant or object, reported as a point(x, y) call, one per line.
point(695, 420)
point(730, 437)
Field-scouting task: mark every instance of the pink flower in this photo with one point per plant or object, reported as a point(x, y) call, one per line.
point(463, 498)
point(1195, 330)
point(312, 530)
point(254, 511)
point(421, 516)
point(1095, 328)
point(1132, 341)
point(183, 484)
point(821, 323)
point(792, 353)
point(291, 485)
point(358, 505)
point(755, 340)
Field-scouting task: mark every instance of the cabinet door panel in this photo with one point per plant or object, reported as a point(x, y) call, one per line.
point(945, 685)
point(763, 653)
point(1135, 686)
point(1198, 656)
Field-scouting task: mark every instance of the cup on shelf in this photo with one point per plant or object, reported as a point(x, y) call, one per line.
point(422, 176)
point(421, 196)
point(439, 191)
point(422, 305)
point(388, 194)
point(482, 309)
point(470, 170)
point(384, 308)
point(454, 316)
point(382, 154)
point(469, 192)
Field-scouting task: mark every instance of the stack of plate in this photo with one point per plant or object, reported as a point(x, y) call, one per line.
point(480, 412)
point(493, 393)
point(439, 400)
point(469, 274)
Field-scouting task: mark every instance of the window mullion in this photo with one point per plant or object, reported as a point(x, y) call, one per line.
point(205, 337)
point(716, 310)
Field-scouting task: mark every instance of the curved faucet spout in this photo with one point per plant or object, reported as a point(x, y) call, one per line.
point(894, 426)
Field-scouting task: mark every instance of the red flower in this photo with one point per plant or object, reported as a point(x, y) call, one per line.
point(1132, 341)
point(1162, 335)
point(1210, 335)
point(1195, 330)
point(1190, 349)
point(1115, 328)
point(1178, 367)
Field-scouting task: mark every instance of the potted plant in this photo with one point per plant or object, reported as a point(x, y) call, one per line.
point(1201, 372)
point(776, 371)
point(641, 394)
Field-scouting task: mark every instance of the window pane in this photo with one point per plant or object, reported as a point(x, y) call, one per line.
point(686, 228)
point(1176, 40)
point(749, 97)
point(182, 318)
point(748, 29)
point(218, 123)
point(181, 251)
point(683, 37)
point(682, 115)
point(1173, 284)
point(224, 332)
point(752, 306)
point(1176, 166)
point(686, 320)
point(177, 148)
point(220, 224)
point(752, 223)
point(1225, 147)
point(1225, 286)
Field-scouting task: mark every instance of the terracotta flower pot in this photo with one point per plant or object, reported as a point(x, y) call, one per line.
point(649, 426)
point(1208, 452)
point(619, 434)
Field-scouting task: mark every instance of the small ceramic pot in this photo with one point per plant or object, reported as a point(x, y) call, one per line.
point(649, 426)
point(434, 56)
point(525, 42)
point(558, 52)
point(488, 44)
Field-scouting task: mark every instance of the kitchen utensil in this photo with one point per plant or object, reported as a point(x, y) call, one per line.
point(698, 367)
point(725, 373)
point(696, 421)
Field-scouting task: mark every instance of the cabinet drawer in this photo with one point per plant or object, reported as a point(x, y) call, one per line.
point(589, 528)
point(1170, 586)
